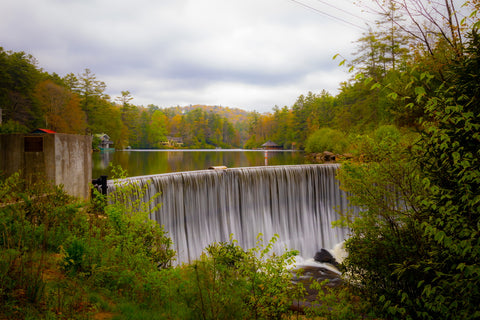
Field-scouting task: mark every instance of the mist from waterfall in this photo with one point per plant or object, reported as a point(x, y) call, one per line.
point(297, 202)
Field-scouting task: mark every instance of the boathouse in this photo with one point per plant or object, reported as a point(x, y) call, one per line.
point(270, 145)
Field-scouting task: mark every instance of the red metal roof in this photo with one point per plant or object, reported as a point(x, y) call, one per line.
point(40, 130)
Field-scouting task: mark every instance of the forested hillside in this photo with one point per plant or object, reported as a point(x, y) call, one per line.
point(32, 98)
point(391, 61)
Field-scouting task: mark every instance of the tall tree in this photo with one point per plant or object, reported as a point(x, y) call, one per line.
point(393, 38)
point(18, 76)
point(125, 98)
point(157, 129)
point(107, 118)
point(61, 108)
point(282, 134)
point(91, 91)
point(428, 23)
point(369, 56)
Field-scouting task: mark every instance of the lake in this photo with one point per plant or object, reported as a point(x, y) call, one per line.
point(147, 162)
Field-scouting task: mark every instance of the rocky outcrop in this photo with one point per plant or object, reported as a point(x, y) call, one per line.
point(327, 156)
point(325, 256)
point(307, 275)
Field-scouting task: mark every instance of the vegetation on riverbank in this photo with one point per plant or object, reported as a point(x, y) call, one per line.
point(414, 252)
point(62, 259)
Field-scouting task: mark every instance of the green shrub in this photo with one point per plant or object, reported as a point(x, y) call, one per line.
point(337, 303)
point(117, 248)
point(120, 250)
point(414, 249)
point(232, 283)
point(380, 144)
point(226, 282)
point(383, 233)
point(326, 139)
point(74, 256)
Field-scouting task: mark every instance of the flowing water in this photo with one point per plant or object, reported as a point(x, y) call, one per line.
point(297, 202)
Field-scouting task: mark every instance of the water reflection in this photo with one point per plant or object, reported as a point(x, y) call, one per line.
point(146, 162)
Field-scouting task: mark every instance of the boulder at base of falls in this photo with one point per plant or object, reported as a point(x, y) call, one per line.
point(325, 256)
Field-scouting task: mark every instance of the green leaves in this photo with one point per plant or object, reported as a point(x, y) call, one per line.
point(326, 139)
point(243, 284)
point(420, 92)
point(341, 63)
point(393, 95)
point(431, 269)
point(375, 86)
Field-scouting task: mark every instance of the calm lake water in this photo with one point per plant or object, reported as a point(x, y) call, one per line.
point(146, 162)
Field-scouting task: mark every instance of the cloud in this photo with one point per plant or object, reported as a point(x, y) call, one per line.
point(251, 54)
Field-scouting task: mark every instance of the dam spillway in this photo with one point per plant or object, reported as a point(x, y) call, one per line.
point(297, 202)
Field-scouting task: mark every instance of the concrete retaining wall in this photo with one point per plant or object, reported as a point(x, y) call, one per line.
point(60, 158)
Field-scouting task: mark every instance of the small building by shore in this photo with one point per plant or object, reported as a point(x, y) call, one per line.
point(173, 142)
point(105, 144)
point(270, 145)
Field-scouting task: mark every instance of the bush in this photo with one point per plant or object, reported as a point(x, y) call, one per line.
point(32, 222)
point(130, 228)
point(326, 139)
point(414, 250)
point(128, 256)
point(337, 303)
point(228, 282)
point(117, 247)
point(384, 233)
point(380, 144)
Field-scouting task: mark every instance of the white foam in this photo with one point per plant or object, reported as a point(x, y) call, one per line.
point(302, 262)
point(339, 252)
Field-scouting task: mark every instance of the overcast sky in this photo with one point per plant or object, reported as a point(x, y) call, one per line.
point(249, 54)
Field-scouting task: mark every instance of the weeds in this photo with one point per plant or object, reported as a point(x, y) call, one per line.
point(91, 248)
point(55, 254)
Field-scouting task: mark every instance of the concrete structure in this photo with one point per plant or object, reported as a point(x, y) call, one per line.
point(60, 158)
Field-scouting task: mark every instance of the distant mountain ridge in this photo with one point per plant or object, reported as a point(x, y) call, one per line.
point(234, 115)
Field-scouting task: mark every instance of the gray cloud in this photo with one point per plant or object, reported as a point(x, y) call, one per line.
point(250, 54)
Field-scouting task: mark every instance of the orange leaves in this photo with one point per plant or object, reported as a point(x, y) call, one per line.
point(60, 107)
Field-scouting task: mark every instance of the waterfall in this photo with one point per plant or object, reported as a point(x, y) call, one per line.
point(296, 202)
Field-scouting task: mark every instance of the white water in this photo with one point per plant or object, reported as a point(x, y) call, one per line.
point(201, 207)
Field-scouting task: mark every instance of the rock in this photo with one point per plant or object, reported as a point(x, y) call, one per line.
point(326, 257)
point(345, 156)
point(328, 156)
point(307, 276)
point(322, 157)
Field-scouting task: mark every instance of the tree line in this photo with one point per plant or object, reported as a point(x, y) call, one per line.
point(31, 98)
point(378, 93)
